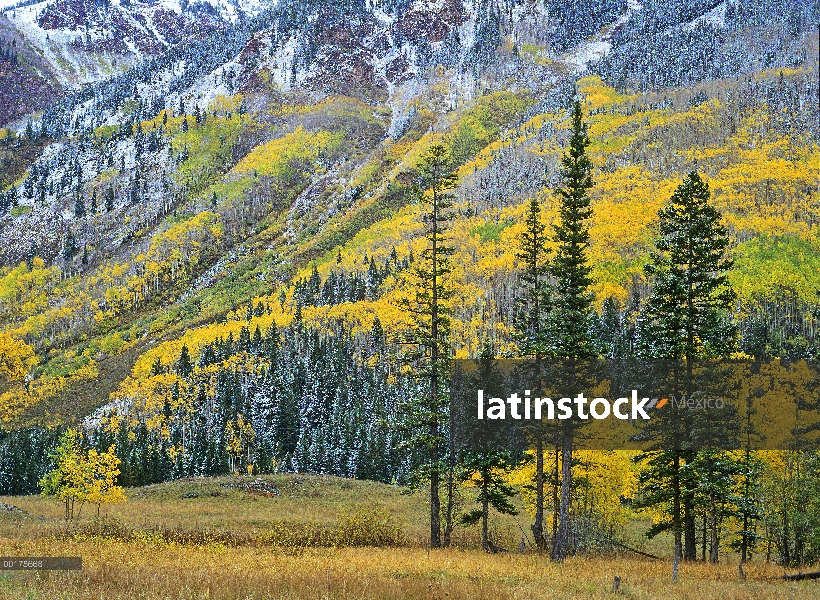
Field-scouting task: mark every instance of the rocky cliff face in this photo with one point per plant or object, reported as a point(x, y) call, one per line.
point(65, 44)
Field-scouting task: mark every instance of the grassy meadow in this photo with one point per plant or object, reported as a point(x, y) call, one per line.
point(297, 536)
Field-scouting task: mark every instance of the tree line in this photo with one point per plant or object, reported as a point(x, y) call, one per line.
point(687, 316)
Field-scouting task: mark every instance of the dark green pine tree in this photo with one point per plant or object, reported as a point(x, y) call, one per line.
point(283, 386)
point(531, 330)
point(488, 456)
point(686, 317)
point(610, 335)
point(79, 206)
point(256, 341)
point(69, 246)
point(533, 306)
point(156, 367)
point(571, 315)
point(184, 366)
point(431, 329)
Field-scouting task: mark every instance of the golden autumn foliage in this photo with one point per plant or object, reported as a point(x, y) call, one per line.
point(82, 475)
point(288, 157)
point(16, 358)
point(19, 398)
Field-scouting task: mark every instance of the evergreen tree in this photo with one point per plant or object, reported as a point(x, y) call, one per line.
point(488, 455)
point(69, 246)
point(184, 366)
point(533, 306)
point(684, 318)
point(79, 206)
point(431, 329)
point(156, 367)
point(610, 336)
point(571, 315)
point(531, 329)
point(686, 315)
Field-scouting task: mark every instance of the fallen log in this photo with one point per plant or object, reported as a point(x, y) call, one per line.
point(802, 576)
point(635, 550)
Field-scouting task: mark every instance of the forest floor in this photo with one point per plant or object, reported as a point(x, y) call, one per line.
point(323, 537)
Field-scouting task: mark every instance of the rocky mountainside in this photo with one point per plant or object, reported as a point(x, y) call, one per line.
point(65, 44)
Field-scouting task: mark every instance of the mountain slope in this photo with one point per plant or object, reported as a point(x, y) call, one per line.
point(191, 197)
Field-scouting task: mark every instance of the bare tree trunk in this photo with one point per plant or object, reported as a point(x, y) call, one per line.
point(435, 503)
point(713, 549)
point(538, 525)
point(745, 541)
point(448, 517)
point(485, 513)
point(703, 545)
point(690, 548)
point(561, 542)
point(677, 558)
point(676, 520)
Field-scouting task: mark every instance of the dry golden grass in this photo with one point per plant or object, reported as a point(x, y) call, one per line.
point(156, 571)
point(224, 542)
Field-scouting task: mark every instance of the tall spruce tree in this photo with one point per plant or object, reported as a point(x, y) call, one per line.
point(431, 329)
point(685, 317)
point(79, 205)
point(531, 330)
point(571, 314)
point(533, 306)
